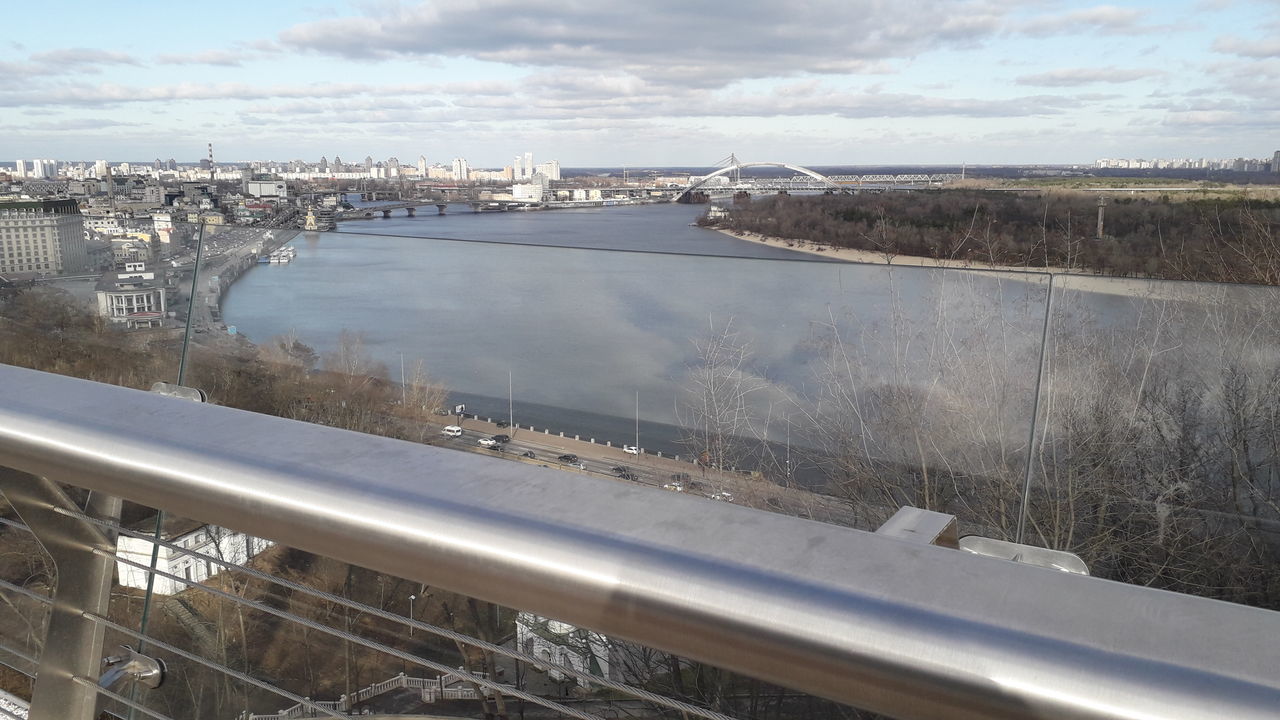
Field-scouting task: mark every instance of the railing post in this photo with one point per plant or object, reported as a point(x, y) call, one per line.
point(73, 643)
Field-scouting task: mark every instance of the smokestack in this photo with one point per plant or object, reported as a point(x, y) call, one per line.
point(211, 163)
point(1102, 211)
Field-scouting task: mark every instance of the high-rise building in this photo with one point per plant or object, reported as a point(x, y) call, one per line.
point(550, 168)
point(43, 169)
point(42, 236)
point(517, 168)
point(528, 165)
point(100, 169)
point(1275, 162)
point(461, 170)
point(368, 162)
point(422, 165)
point(20, 168)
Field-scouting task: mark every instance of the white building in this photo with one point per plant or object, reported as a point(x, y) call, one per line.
point(559, 644)
point(272, 189)
point(535, 190)
point(162, 223)
point(461, 170)
point(100, 169)
point(20, 168)
point(221, 543)
point(134, 297)
point(551, 169)
point(42, 236)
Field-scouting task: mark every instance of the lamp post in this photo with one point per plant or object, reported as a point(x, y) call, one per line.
point(411, 599)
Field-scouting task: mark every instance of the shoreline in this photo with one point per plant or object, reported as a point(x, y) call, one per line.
point(1063, 278)
point(871, 257)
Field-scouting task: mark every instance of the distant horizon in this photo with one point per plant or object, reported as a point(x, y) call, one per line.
point(1084, 165)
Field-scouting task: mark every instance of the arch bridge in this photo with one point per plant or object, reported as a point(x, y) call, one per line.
point(806, 180)
point(817, 180)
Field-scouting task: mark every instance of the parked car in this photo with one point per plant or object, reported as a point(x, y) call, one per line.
point(488, 442)
point(580, 466)
point(502, 423)
point(628, 475)
point(722, 496)
point(631, 449)
point(619, 469)
point(568, 458)
point(502, 438)
point(528, 454)
point(452, 431)
point(676, 486)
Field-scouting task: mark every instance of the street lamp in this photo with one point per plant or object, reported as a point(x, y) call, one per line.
point(411, 599)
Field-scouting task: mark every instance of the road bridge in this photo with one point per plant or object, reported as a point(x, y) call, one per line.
point(409, 206)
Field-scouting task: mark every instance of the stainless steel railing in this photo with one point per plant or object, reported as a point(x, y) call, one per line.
point(910, 630)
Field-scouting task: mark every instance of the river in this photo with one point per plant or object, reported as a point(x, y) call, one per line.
point(584, 309)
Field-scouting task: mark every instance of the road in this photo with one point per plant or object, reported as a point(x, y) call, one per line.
point(600, 460)
point(597, 459)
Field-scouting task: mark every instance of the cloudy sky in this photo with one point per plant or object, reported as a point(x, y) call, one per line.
point(655, 83)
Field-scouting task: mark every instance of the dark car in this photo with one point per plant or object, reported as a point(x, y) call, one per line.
point(528, 454)
point(619, 469)
point(628, 475)
point(502, 423)
point(502, 438)
point(568, 458)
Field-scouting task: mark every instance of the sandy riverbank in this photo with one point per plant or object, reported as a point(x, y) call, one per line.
point(1063, 277)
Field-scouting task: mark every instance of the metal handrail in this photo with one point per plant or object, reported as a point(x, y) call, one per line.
point(908, 630)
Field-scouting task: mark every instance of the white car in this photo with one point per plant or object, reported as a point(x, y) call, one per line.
point(722, 497)
point(488, 442)
point(452, 431)
point(674, 486)
point(631, 449)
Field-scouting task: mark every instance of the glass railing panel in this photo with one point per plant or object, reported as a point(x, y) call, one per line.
point(1156, 452)
point(827, 390)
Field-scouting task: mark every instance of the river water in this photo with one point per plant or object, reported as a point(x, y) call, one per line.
point(584, 309)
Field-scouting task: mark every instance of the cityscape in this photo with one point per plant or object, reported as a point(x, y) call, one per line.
point(512, 359)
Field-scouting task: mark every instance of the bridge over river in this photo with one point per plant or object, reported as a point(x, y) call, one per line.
point(409, 206)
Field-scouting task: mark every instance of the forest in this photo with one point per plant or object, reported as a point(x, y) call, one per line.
point(1215, 239)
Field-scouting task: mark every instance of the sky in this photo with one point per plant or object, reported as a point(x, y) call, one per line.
point(657, 83)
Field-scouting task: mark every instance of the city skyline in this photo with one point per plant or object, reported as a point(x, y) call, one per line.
point(677, 85)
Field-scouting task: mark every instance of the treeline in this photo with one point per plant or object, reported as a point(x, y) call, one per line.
point(1156, 450)
point(47, 329)
point(1217, 240)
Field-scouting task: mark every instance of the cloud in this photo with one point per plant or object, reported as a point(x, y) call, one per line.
point(1073, 77)
point(80, 58)
point(113, 94)
point(1107, 19)
point(76, 124)
point(675, 43)
point(1235, 45)
point(1215, 119)
point(225, 58)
